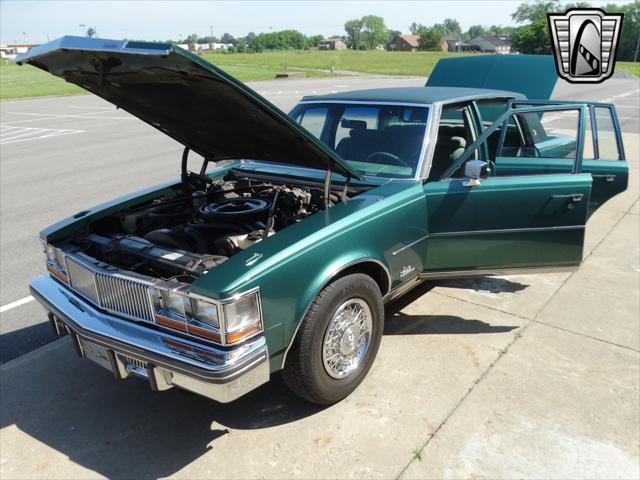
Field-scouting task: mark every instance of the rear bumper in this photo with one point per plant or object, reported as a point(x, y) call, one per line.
point(127, 348)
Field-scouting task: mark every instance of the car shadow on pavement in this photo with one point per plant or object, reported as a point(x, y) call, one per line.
point(124, 430)
point(399, 323)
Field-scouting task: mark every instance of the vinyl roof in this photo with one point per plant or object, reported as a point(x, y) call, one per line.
point(415, 95)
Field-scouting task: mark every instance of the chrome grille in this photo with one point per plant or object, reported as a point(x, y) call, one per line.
point(110, 291)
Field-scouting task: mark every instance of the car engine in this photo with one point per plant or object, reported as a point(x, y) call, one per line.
point(184, 235)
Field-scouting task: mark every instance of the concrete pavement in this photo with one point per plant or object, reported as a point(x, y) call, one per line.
point(521, 376)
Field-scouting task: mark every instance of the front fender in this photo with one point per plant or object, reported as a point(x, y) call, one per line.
point(298, 261)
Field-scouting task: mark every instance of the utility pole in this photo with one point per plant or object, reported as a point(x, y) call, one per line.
point(635, 57)
point(211, 30)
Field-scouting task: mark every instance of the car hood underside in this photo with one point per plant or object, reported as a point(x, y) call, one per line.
point(187, 98)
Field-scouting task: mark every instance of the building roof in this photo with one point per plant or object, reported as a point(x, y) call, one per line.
point(423, 95)
point(498, 42)
point(412, 40)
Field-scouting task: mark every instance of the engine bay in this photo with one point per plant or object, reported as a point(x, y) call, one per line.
point(183, 235)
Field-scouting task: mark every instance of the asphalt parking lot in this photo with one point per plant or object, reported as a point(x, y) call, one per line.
point(527, 376)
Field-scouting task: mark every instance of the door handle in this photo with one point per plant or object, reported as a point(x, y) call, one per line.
point(607, 177)
point(573, 197)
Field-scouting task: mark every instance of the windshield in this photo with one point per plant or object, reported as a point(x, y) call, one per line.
point(377, 140)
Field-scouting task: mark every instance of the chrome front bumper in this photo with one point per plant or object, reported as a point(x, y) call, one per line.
point(127, 348)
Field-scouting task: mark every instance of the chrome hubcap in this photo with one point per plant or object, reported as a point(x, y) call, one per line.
point(347, 338)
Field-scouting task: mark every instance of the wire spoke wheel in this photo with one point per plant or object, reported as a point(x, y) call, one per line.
point(347, 338)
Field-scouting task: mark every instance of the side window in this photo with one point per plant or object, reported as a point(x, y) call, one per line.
point(607, 140)
point(542, 135)
point(455, 133)
point(313, 119)
point(490, 110)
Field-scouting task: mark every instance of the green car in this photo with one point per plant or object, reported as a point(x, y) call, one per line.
point(285, 235)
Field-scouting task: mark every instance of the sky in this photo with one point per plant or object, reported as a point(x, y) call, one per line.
point(24, 21)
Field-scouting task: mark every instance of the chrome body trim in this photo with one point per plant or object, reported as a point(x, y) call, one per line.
point(497, 272)
point(324, 284)
point(432, 140)
point(415, 242)
point(506, 230)
point(488, 232)
point(222, 374)
point(426, 144)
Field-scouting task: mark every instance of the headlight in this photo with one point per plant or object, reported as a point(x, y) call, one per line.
point(169, 308)
point(175, 302)
point(49, 253)
point(205, 312)
point(55, 262)
point(228, 323)
point(203, 320)
point(242, 318)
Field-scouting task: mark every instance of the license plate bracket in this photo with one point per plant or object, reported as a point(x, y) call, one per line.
point(97, 354)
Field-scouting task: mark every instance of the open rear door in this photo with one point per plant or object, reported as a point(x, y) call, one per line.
point(603, 152)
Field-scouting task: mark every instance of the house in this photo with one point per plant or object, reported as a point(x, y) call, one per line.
point(449, 43)
point(10, 52)
point(332, 44)
point(487, 43)
point(404, 43)
point(454, 43)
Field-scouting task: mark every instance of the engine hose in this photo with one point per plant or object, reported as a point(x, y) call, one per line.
point(198, 239)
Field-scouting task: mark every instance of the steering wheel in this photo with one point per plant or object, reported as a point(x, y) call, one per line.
point(386, 158)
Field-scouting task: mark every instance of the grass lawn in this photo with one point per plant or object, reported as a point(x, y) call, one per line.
point(28, 81)
point(633, 67)
point(384, 63)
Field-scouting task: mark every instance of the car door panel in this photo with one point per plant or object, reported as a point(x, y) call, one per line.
point(610, 170)
point(506, 222)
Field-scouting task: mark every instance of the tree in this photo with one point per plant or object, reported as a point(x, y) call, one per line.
point(392, 34)
point(534, 37)
point(193, 38)
point(227, 38)
point(476, 30)
point(374, 31)
point(452, 26)
point(629, 42)
point(354, 30)
point(415, 28)
point(314, 40)
point(91, 32)
point(429, 38)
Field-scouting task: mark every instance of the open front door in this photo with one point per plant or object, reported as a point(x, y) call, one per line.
point(498, 223)
point(532, 143)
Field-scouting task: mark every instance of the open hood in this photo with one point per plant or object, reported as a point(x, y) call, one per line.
point(189, 99)
point(534, 76)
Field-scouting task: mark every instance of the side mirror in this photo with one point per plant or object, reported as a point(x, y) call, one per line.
point(475, 170)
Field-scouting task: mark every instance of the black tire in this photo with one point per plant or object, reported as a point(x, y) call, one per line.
point(304, 371)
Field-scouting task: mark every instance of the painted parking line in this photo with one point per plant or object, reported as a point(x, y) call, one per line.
point(87, 115)
point(12, 134)
point(17, 303)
